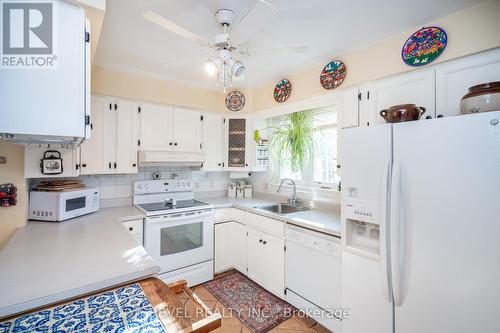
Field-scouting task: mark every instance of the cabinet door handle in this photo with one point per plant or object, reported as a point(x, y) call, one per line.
point(220, 164)
point(440, 116)
point(170, 143)
point(84, 165)
point(246, 164)
point(114, 164)
point(175, 144)
point(428, 117)
point(130, 228)
point(116, 106)
point(264, 242)
point(260, 240)
point(134, 165)
point(109, 165)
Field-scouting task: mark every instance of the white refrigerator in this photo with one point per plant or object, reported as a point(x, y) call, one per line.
point(421, 226)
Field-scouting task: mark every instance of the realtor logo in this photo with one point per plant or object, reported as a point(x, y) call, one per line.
point(27, 35)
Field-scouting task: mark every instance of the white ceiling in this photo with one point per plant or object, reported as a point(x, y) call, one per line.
point(328, 28)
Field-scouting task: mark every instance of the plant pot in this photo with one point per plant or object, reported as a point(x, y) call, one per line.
point(402, 112)
point(481, 98)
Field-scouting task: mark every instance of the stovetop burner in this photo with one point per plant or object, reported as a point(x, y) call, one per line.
point(164, 205)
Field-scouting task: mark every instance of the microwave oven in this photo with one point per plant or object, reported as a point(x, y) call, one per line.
point(60, 206)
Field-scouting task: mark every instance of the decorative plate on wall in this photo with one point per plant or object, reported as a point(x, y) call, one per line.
point(333, 74)
point(235, 101)
point(424, 46)
point(282, 90)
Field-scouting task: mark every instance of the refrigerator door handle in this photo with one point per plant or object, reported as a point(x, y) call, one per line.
point(396, 246)
point(385, 184)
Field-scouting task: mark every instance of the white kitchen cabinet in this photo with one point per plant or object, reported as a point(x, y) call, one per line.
point(416, 87)
point(135, 227)
point(213, 138)
point(256, 254)
point(275, 265)
point(454, 78)
point(156, 129)
point(187, 130)
point(34, 154)
point(237, 144)
point(222, 258)
point(127, 137)
point(166, 128)
point(266, 261)
point(349, 112)
point(230, 247)
point(112, 147)
point(97, 152)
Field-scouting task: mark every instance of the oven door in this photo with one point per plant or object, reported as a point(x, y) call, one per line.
point(181, 239)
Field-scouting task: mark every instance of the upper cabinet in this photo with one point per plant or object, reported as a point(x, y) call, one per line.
point(166, 128)
point(410, 88)
point(213, 138)
point(454, 78)
point(238, 145)
point(187, 130)
point(112, 147)
point(349, 112)
point(156, 130)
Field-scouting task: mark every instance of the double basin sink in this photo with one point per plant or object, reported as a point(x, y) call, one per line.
point(283, 209)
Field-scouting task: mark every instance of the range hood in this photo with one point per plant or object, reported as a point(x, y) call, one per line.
point(170, 158)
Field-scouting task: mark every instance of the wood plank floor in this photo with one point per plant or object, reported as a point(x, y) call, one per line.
point(231, 324)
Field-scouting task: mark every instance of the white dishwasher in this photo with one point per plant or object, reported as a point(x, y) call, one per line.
point(313, 274)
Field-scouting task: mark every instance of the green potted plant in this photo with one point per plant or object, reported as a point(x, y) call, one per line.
point(292, 141)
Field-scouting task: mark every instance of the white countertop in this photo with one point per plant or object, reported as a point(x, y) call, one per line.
point(324, 221)
point(46, 262)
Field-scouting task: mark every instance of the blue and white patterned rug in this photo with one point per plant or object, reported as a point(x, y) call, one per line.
point(123, 310)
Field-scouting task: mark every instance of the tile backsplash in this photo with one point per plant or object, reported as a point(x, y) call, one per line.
point(118, 189)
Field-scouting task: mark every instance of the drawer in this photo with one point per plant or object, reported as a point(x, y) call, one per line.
point(266, 224)
point(230, 214)
point(135, 227)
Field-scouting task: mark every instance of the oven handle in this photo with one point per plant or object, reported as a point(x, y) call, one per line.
point(180, 216)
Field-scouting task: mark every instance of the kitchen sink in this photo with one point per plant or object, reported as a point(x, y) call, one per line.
point(284, 208)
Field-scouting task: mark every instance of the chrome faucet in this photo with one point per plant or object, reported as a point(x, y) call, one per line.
point(293, 199)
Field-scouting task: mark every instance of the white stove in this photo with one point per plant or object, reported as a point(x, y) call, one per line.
point(178, 230)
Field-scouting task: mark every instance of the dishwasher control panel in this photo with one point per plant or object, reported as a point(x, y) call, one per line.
point(328, 244)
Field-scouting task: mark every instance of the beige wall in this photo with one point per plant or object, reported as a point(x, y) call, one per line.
point(13, 172)
point(122, 84)
point(469, 31)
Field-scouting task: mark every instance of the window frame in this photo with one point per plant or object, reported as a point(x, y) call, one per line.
point(307, 184)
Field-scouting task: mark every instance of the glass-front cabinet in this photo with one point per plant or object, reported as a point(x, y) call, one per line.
point(238, 143)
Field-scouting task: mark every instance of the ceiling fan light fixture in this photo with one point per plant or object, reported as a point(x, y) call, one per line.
point(210, 67)
point(237, 69)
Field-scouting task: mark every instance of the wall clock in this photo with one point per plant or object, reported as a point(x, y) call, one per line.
point(333, 74)
point(282, 90)
point(424, 46)
point(235, 101)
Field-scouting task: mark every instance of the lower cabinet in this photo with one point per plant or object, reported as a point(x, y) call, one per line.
point(266, 261)
point(230, 247)
point(135, 227)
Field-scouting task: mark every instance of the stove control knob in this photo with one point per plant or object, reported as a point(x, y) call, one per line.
point(139, 186)
point(330, 247)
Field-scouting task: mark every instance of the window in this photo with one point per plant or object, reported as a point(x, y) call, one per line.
point(321, 170)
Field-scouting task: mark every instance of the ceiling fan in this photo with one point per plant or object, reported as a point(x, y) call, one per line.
point(229, 41)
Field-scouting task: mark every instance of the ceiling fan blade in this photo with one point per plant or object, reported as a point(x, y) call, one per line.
point(260, 14)
point(172, 27)
point(199, 59)
point(274, 50)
